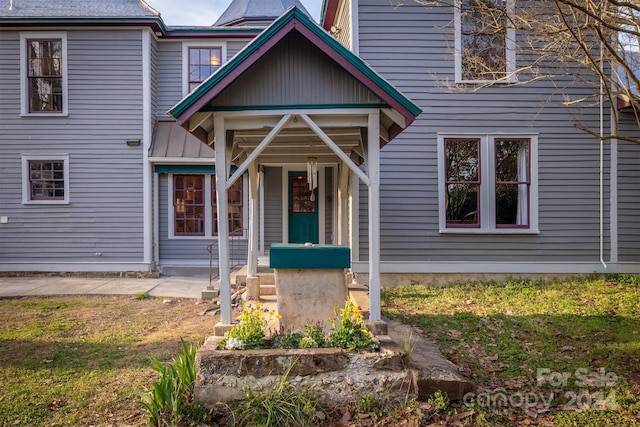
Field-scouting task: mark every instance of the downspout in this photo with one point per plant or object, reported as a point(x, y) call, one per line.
point(604, 264)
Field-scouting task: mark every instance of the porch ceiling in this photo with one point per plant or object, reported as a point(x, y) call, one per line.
point(296, 145)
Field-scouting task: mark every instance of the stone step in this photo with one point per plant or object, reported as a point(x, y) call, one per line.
point(433, 371)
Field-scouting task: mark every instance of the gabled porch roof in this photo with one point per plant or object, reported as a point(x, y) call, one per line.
point(193, 111)
point(291, 96)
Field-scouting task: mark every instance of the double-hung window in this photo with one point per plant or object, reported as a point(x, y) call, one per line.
point(45, 179)
point(194, 211)
point(43, 80)
point(488, 183)
point(485, 42)
point(189, 212)
point(200, 61)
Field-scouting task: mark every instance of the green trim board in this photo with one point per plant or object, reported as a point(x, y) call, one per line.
point(211, 109)
point(188, 169)
point(291, 255)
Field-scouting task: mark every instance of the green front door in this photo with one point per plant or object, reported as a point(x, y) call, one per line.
point(303, 210)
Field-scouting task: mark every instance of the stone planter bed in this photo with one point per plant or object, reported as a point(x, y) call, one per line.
point(336, 375)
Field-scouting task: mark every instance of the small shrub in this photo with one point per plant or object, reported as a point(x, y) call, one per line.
point(248, 333)
point(312, 336)
point(349, 331)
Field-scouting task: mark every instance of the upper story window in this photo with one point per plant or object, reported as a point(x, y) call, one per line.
point(485, 46)
point(43, 80)
point(200, 61)
point(488, 184)
point(45, 179)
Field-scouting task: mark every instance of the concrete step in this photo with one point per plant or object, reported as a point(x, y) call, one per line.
point(359, 295)
point(267, 289)
point(267, 279)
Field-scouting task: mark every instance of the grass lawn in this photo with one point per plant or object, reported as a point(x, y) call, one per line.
point(560, 354)
point(550, 354)
point(69, 361)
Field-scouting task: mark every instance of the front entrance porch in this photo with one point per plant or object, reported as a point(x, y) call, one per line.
point(296, 97)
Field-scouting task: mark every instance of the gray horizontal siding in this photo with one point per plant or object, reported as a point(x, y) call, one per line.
point(169, 75)
point(234, 47)
point(105, 175)
point(629, 192)
point(295, 72)
point(411, 46)
point(272, 206)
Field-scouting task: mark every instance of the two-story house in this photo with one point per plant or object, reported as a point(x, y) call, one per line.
point(112, 126)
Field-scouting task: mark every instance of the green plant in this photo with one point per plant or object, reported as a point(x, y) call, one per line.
point(366, 404)
point(248, 332)
point(312, 336)
point(349, 331)
point(142, 295)
point(170, 399)
point(281, 405)
point(440, 401)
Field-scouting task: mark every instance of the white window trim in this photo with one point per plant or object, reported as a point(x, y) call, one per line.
point(26, 187)
point(487, 202)
point(208, 210)
point(185, 58)
point(24, 85)
point(510, 49)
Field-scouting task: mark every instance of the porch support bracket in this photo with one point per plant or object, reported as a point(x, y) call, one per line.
point(334, 147)
point(259, 149)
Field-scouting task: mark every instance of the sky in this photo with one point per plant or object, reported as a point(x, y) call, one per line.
point(206, 12)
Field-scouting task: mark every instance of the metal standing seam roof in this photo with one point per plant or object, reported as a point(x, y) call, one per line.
point(173, 141)
point(76, 9)
point(247, 10)
point(293, 19)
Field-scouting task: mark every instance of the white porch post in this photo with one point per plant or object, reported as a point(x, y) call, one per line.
point(343, 198)
point(222, 172)
point(373, 168)
point(252, 261)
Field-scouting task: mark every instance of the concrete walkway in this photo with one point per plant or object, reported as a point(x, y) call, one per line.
point(174, 287)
